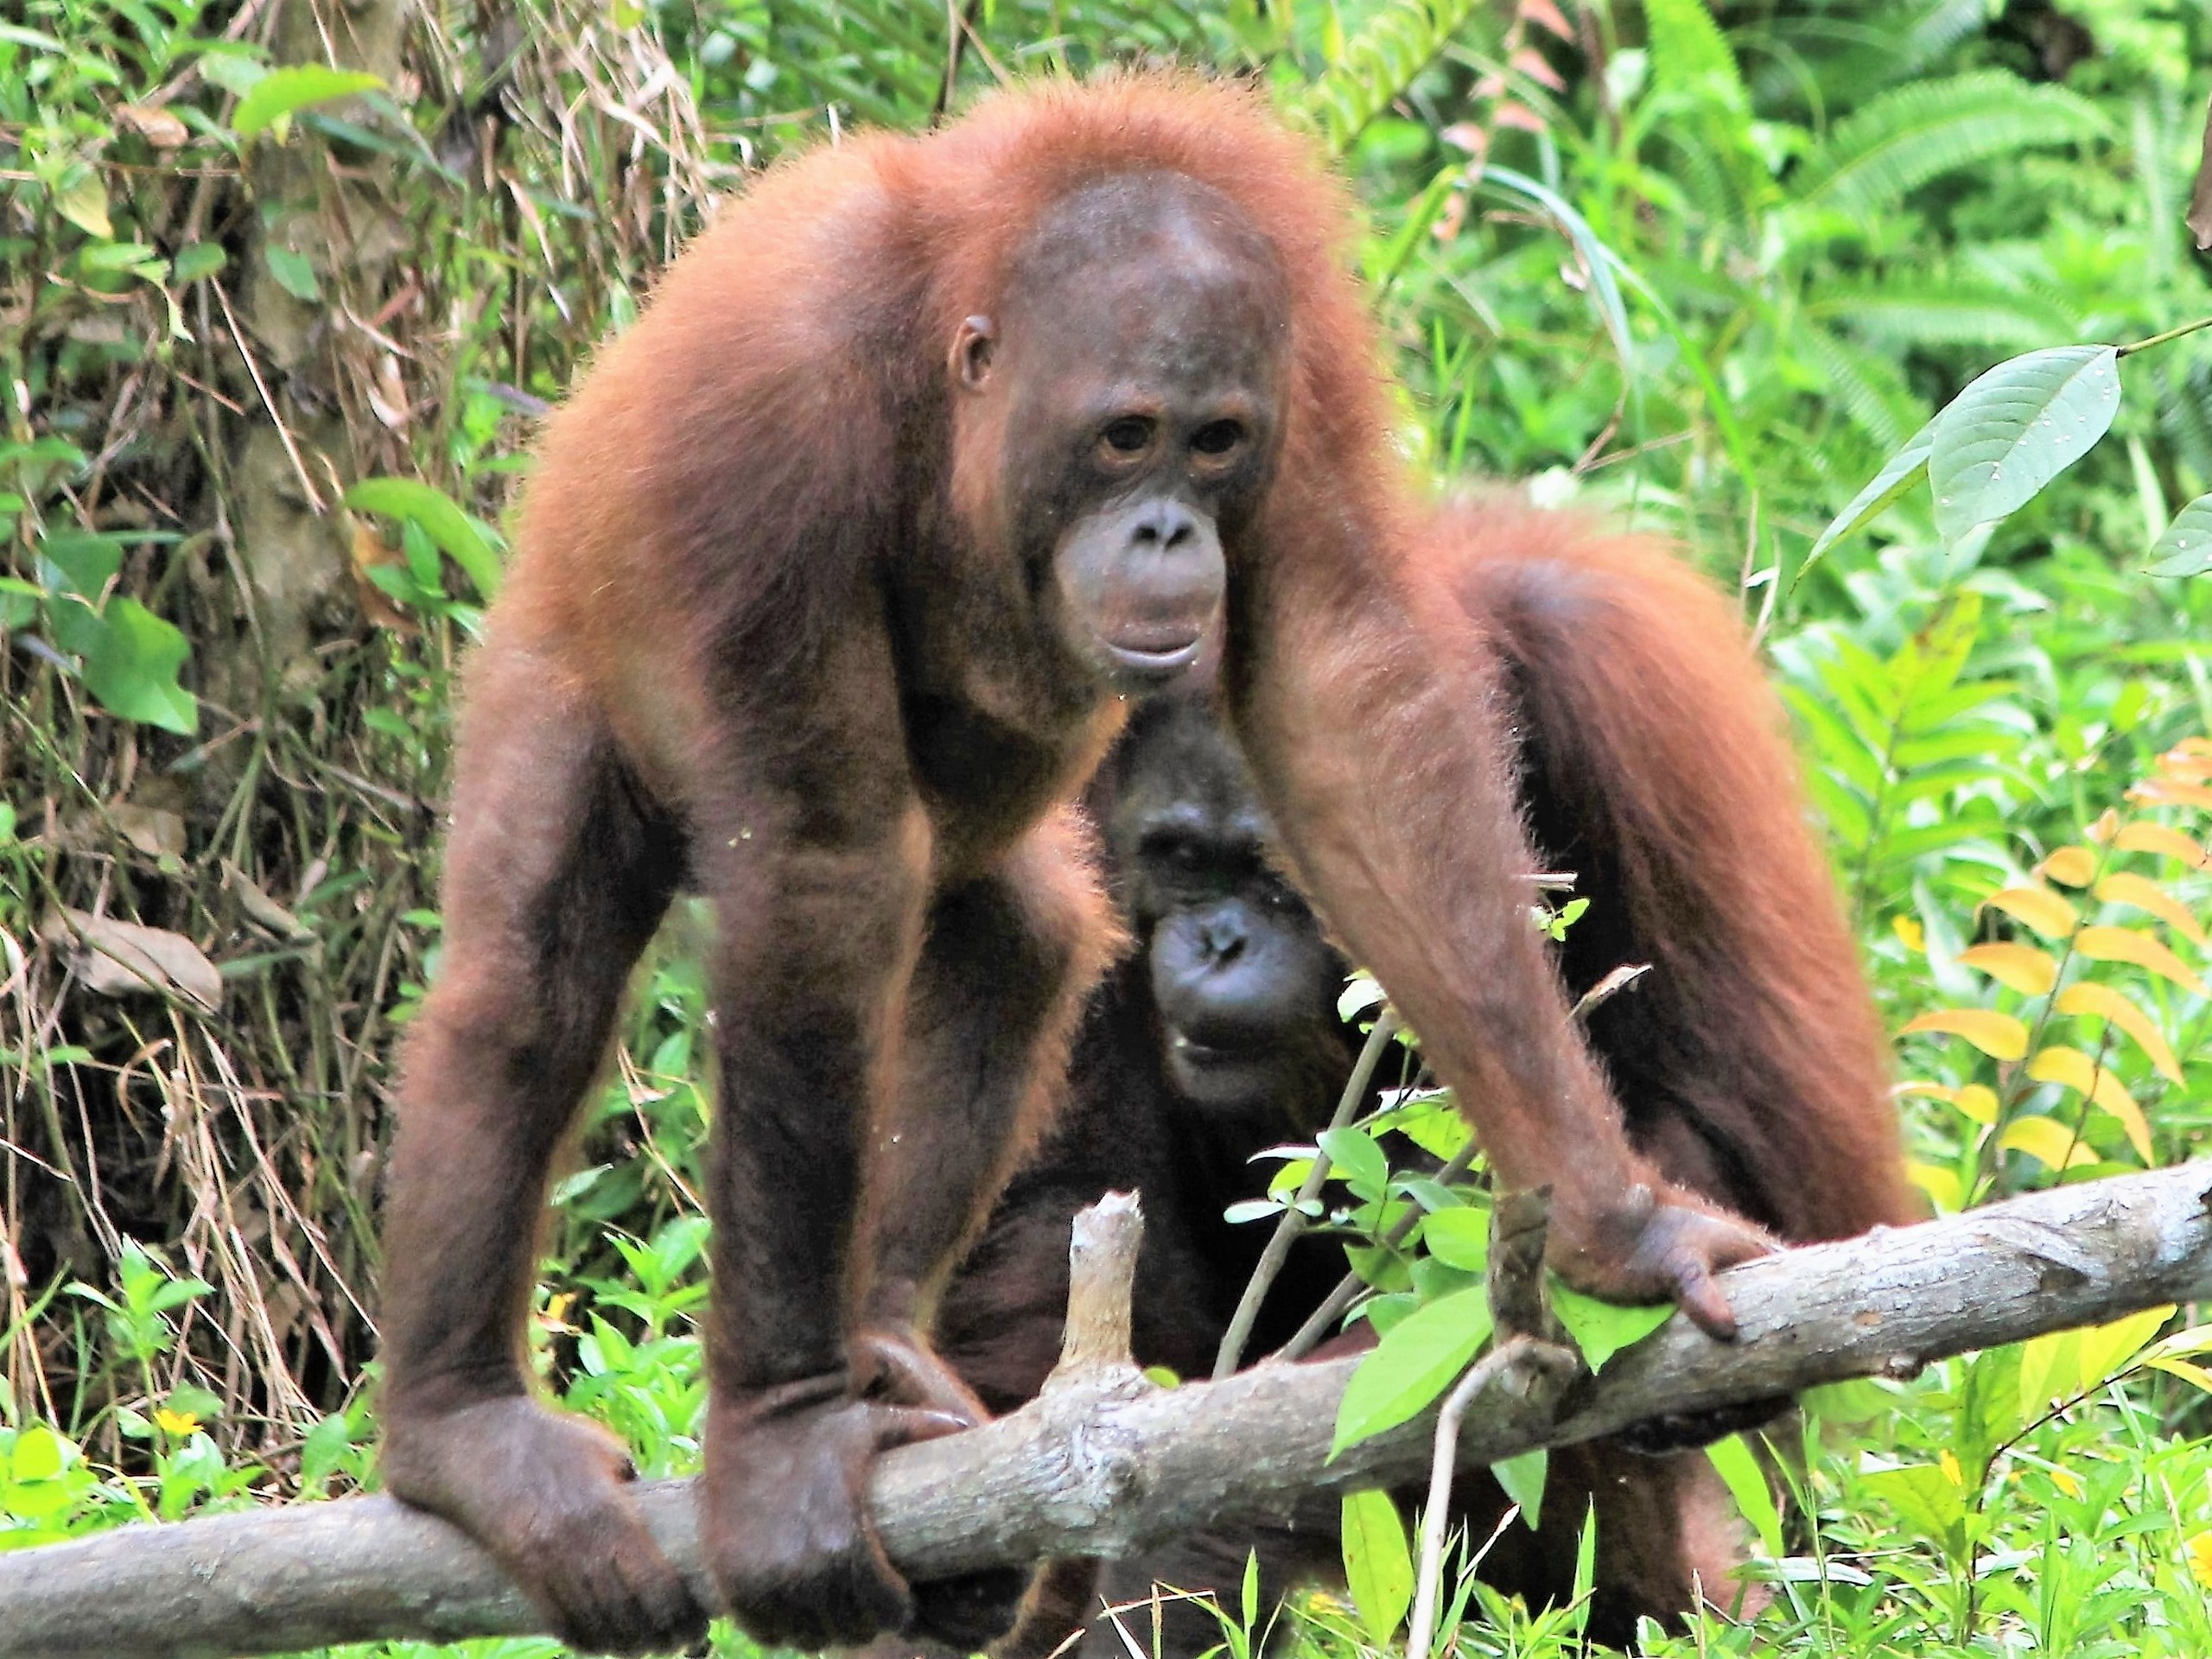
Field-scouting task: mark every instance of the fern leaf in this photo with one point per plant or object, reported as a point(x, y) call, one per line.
point(1922, 313)
point(1377, 64)
point(1878, 155)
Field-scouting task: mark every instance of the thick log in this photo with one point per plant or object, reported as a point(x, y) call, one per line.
point(1105, 1464)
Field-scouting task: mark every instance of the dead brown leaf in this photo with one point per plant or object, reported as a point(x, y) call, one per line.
point(156, 126)
point(118, 958)
point(153, 830)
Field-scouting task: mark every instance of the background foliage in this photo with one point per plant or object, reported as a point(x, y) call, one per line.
point(284, 285)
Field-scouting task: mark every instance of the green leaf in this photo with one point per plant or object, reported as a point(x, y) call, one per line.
point(1899, 474)
point(465, 541)
point(39, 1454)
point(295, 272)
point(1416, 1360)
point(1523, 1477)
point(1921, 1494)
point(323, 1451)
point(282, 93)
point(87, 559)
point(1458, 1238)
point(131, 668)
point(2015, 429)
point(2186, 548)
point(199, 259)
point(1601, 1330)
point(83, 204)
point(1739, 1468)
point(232, 67)
point(1357, 1159)
point(1378, 1564)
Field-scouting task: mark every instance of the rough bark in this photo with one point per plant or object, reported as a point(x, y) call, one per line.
point(1105, 1463)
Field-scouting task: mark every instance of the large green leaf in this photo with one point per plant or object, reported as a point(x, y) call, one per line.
point(1522, 1479)
point(1898, 475)
point(130, 665)
point(2186, 548)
point(1746, 1484)
point(2016, 428)
point(1601, 1330)
point(1378, 1564)
point(1412, 1364)
point(465, 541)
point(282, 93)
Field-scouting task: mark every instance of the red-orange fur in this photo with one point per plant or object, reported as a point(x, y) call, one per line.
point(1642, 682)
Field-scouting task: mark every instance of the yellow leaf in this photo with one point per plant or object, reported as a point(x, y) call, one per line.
point(1977, 1101)
point(2181, 1369)
point(1998, 1035)
point(83, 204)
point(1949, 1465)
point(1923, 1088)
point(2046, 1140)
point(2076, 867)
point(2101, 830)
point(2078, 1072)
point(2200, 1559)
point(2039, 907)
point(1941, 1186)
point(2169, 843)
point(2085, 996)
point(2065, 1482)
point(2022, 968)
point(2126, 945)
point(1908, 929)
point(2191, 758)
point(2146, 894)
point(2192, 1340)
point(2168, 791)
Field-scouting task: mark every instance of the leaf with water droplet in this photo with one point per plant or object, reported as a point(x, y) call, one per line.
point(2186, 548)
point(2016, 428)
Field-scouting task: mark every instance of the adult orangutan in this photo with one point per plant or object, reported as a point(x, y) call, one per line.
point(831, 581)
point(1650, 762)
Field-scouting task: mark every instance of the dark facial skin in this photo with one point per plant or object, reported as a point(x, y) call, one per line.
point(1241, 977)
point(1138, 372)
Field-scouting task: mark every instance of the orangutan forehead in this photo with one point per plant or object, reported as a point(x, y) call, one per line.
point(1163, 221)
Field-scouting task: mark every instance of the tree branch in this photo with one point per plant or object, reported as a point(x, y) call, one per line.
point(1105, 1465)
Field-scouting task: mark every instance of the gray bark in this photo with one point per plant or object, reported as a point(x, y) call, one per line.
point(1105, 1464)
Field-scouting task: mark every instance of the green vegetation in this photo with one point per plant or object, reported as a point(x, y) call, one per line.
point(276, 310)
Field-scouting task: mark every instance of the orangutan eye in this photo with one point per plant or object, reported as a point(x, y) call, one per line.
point(1130, 435)
point(1217, 437)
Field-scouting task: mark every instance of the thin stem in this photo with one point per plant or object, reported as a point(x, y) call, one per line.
point(1386, 1026)
point(1436, 1518)
point(1340, 1300)
point(2160, 340)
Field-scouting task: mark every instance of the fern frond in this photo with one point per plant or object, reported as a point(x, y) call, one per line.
point(1870, 392)
point(1688, 47)
point(1879, 155)
point(1925, 312)
point(1375, 66)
